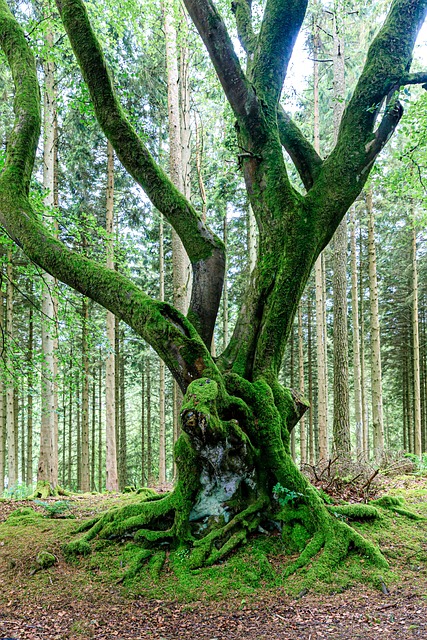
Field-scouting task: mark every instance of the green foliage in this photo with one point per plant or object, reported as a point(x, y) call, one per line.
point(285, 496)
point(19, 491)
point(56, 508)
point(420, 463)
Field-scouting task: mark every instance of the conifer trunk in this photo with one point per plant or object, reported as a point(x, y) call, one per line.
point(356, 337)
point(376, 375)
point(416, 344)
point(112, 481)
point(12, 472)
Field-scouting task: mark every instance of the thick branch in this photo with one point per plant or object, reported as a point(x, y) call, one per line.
point(204, 249)
point(279, 29)
point(170, 334)
point(217, 41)
point(24, 138)
point(303, 155)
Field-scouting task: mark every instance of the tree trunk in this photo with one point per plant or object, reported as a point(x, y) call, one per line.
point(123, 475)
point(85, 469)
point(112, 481)
point(3, 437)
point(10, 408)
point(416, 344)
point(150, 477)
point(162, 413)
point(100, 485)
point(303, 437)
point(365, 421)
point(143, 465)
point(356, 338)
point(341, 425)
point(376, 375)
point(47, 472)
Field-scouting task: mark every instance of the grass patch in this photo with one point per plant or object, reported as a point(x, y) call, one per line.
point(256, 568)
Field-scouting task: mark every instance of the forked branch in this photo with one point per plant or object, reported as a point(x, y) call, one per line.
point(205, 250)
point(170, 334)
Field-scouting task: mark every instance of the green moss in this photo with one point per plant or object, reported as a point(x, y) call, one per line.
point(354, 511)
point(77, 548)
point(45, 559)
point(24, 516)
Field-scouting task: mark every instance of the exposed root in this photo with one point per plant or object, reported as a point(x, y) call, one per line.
point(220, 542)
point(396, 504)
point(332, 538)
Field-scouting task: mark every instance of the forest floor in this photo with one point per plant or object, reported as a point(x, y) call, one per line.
point(242, 598)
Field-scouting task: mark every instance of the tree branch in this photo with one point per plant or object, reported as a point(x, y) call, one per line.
point(205, 250)
point(415, 78)
point(171, 335)
point(346, 170)
point(279, 29)
point(217, 41)
point(303, 155)
point(242, 10)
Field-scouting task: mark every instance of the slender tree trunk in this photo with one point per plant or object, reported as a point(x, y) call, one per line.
point(10, 408)
point(23, 437)
point(376, 376)
point(112, 481)
point(292, 385)
point(85, 471)
point(322, 366)
point(310, 384)
point(64, 431)
point(162, 413)
point(47, 473)
point(225, 291)
point(365, 421)
point(143, 465)
point(416, 346)
point(341, 426)
point(303, 437)
point(123, 425)
point(93, 435)
point(2, 404)
point(100, 485)
point(178, 152)
point(356, 337)
point(70, 425)
point(150, 478)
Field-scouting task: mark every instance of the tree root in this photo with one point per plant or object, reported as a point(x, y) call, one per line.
point(220, 542)
point(334, 539)
point(397, 505)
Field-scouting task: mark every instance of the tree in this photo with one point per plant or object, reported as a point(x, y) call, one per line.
point(233, 456)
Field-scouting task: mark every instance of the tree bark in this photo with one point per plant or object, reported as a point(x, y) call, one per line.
point(416, 344)
point(341, 425)
point(376, 374)
point(112, 481)
point(12, 472)
point(356, 338)
point(85, 468)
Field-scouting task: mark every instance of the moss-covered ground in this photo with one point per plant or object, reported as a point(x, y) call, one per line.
point(250, 575)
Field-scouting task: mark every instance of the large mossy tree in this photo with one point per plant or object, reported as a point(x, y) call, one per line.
point(233, 456)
